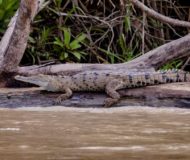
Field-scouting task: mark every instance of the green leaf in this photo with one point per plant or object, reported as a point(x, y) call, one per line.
point(63, 56)
point(31, 40)
point(58, 42)
point(10, 5)
point(2, 14)
point(127, 22)
point(67, 36)
point(122, 43)
point(111, 54)
point(83, 53)
point(77, 55)
point(80, 38)
point(75, 43)
point(44, 35)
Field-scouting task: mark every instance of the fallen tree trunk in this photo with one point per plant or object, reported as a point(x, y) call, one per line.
point(153, 59)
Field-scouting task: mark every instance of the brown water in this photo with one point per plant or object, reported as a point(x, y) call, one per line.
point(59, 133)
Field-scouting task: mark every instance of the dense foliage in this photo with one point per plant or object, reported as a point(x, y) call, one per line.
point(7, 9)
point(96, 31)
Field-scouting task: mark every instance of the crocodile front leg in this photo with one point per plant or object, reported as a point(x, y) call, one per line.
point(68, 93)
point(111, 90)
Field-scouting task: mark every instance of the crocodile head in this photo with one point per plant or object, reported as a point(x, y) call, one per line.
point(47, 82)
point(39, 80)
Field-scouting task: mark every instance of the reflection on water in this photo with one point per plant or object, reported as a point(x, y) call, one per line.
point(59, 133)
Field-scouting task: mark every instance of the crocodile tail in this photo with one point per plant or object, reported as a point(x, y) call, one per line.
point(174, 75)
point(159, 77)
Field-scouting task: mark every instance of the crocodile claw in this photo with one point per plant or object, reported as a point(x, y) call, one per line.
point(57, 101)
point(110, 101)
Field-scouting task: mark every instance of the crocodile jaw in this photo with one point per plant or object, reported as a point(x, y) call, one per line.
point(37, 80)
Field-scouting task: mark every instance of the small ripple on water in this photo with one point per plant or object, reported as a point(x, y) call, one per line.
point(103, 148)
point(9, 129)
point(155, 130)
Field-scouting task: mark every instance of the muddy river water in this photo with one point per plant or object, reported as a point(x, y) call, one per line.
point(124, 133)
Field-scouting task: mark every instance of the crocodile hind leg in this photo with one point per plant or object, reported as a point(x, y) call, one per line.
point(111, 90)
point(68, 93)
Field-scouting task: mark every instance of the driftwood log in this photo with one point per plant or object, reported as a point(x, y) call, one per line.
point(153, 59)
point(14, 42)
point(167, 95)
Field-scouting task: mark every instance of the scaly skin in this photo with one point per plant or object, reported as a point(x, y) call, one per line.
point(105, 80)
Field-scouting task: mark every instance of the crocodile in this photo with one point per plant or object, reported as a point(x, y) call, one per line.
point(103, 80)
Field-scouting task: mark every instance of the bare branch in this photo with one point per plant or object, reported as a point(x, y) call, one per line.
point(159, 16)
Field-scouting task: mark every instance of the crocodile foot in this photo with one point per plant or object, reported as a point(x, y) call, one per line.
point(57, 101)
point(110, 101)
